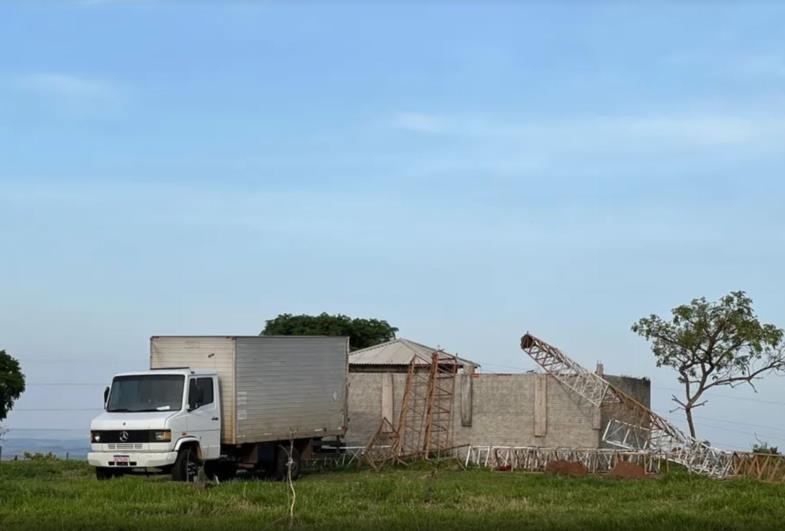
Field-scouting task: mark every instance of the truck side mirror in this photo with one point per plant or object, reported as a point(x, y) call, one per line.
point(106, 395)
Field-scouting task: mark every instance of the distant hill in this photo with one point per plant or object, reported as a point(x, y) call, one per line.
point(73, 448)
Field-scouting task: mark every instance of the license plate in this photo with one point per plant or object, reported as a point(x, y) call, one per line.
point(121, 460)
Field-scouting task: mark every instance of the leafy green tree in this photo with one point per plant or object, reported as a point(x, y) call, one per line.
point(12, 383)
point(362, 333)
point(713, 344)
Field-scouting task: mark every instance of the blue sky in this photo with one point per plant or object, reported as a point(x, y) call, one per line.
point(466, 172)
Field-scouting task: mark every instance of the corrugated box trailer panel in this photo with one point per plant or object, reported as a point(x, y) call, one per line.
point(290, 386)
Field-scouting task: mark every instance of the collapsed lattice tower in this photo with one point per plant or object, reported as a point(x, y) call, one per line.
point(632, 425)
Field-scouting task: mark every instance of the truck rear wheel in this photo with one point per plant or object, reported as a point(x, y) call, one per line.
point(186, 466)
point(282, 463)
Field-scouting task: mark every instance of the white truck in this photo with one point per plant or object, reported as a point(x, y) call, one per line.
point(223, 402)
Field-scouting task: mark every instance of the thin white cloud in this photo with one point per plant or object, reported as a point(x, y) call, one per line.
point(64, 85)
point(71, 93)
point(104, 2)
point(689, 130)
point(750, 66)
point(598, 145)
point(417, 121)
point(761, 65)
point(640, 132)
point(636, 132)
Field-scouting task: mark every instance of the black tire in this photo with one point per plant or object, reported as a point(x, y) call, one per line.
point(186, 466)
point(103, 473)
point(282, 463)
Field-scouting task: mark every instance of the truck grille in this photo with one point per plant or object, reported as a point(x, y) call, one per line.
point(125, 436)
point(124, 446)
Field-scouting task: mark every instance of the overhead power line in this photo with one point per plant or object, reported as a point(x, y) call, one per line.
point(11, 429)
point(731, 430)
point(671, 389)
point(741, 423)
point(58, 409)
point(62, 384)
point(728, 397)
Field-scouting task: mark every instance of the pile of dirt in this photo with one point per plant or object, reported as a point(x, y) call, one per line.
point(627, 470)
point(561, 467)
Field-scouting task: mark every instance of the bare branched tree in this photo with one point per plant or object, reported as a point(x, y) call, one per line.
point(713, 344)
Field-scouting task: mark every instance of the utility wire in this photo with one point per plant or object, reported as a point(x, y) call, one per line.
point(674, 389)
point(671, 389)
point(735, 422)
point(696, 417)
point(506, 366)
point(713, 395)
point(724, 428)
point(44, 429)
point(58, 409)
point(62, 384)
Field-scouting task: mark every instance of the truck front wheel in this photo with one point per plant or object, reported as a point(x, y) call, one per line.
point(186, 466)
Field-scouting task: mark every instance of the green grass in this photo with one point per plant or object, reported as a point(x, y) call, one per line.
point(64, 495)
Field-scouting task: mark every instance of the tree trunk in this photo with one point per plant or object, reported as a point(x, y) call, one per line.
point(690, 423)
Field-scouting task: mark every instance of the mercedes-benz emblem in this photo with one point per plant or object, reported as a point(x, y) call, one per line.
point(123, 436)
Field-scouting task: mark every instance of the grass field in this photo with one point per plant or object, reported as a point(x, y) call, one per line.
point(53, 494)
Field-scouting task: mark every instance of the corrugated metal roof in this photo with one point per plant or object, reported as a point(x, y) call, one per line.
point(398, 352)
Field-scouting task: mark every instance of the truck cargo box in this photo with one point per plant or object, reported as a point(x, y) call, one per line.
point(272, 387)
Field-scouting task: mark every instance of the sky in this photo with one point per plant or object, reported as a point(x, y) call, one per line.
point(467, 172)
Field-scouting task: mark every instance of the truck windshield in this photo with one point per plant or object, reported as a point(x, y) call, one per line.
point(154, 392)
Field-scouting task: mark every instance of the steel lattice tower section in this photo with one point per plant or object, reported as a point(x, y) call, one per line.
point(414, 407)
point(441, 397)
point(425, 423)
point(632, 425)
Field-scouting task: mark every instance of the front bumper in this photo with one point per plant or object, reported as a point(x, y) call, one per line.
point(135, 459)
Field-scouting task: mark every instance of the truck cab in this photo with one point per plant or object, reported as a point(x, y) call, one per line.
point(165, 420)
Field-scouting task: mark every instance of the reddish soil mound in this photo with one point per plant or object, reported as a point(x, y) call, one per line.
point(566, 468)
point(626, 470)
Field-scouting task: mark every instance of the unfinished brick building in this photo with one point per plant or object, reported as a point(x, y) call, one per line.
point(523, 409)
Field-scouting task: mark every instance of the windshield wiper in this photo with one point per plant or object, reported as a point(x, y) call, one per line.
point(118, 410)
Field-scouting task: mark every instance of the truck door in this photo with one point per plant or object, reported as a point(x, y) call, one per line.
point(204, 420)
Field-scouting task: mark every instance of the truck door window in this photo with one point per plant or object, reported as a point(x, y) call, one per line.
point(206, 388)
point(200, 392)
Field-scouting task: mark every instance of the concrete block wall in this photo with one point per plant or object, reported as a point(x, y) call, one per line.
point(503, 410)
point(365, 406)
point(504, 414)
point(638, 388)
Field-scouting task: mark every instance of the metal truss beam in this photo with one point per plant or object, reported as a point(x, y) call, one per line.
point(536, 459)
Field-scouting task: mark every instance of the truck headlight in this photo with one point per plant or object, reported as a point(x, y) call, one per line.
point(162, 436)
point(95, 436)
